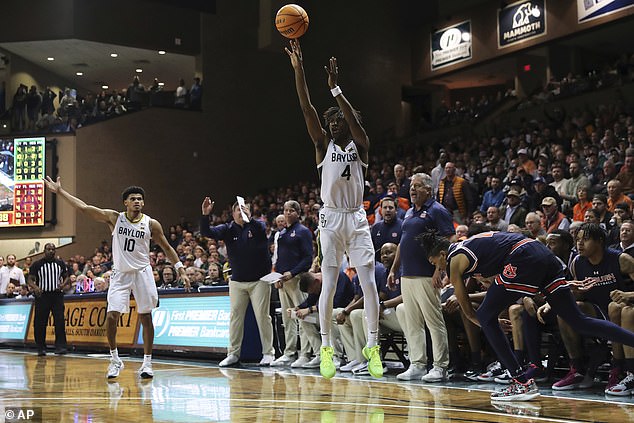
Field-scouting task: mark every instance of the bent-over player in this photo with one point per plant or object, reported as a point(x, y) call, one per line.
point(520, 267)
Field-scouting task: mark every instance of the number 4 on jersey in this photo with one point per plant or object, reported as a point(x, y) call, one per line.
point(346, 173)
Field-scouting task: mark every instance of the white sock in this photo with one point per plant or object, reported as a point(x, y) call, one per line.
point(147, 359)
point(115, 354)
point(325, 340)
point(373, 338)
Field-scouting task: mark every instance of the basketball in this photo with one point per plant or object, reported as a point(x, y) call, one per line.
point(291, 21)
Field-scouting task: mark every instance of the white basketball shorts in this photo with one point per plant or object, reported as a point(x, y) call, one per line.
point(140, 283)
point(344, 231)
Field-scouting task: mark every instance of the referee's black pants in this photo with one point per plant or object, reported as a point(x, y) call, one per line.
point(44, 304)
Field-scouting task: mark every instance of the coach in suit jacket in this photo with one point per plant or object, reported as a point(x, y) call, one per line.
point(512, 212)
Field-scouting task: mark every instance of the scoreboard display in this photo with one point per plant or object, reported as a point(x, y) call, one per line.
point(22, 167)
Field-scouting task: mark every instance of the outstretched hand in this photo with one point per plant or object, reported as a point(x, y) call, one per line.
point(333, 72)
point(54, 186)
point(207, 206)
point(295, 53)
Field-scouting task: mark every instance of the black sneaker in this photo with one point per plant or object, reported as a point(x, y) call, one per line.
point(41, 353)
point(493, 370)
point(537, 373)
point(472, 374)
point(61, 351)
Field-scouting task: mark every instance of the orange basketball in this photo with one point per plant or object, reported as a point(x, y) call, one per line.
point(291, 21)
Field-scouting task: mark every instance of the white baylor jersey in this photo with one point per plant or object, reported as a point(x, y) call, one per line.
point(131, 244)
point(342, 177)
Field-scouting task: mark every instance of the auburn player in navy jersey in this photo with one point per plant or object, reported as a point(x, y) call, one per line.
point(341, 153)
point(536, 314)
point(600, 270)
point(520, 267)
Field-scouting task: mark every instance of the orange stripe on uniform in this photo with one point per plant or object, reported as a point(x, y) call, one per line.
point(519, 244)
point(555, 285)
point(516, 287)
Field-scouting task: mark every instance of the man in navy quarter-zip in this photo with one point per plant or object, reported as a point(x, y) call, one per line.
point(294, 256)
point(389, 229)
point(249, 258)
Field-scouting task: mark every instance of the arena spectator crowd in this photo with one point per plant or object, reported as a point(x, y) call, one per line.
point(35, 110)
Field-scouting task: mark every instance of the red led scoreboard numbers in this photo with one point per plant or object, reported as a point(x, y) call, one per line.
point(22, 188)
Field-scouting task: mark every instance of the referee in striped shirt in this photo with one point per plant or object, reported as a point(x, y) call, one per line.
point(48, 277)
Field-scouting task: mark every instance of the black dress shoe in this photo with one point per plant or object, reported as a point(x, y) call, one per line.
point(61, 351)
point(41, 353)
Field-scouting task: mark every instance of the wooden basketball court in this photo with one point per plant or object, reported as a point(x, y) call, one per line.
point(73, 388)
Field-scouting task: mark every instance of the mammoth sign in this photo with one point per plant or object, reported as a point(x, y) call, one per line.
point(521, 21)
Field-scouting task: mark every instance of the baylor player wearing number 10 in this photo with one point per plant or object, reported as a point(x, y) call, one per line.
point(341, 153)
point(131, 271)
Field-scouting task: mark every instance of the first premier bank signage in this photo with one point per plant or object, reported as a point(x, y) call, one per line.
point(451, 45)
point(521, 21)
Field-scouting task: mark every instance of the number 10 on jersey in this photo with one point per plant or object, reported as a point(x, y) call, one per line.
point(128, 244)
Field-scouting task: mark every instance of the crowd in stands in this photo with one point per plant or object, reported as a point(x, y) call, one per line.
point(466, 112)
point(621, 72)
point(33, 110)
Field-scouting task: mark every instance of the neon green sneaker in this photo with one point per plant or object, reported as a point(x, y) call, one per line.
point(377, 416)
point(326, 366)
point(373, 355)
point(328, 416)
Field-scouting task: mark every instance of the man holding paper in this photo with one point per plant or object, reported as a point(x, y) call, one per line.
point(294, 256)
point(248, 253)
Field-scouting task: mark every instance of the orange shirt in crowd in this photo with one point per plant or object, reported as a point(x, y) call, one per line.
point(622, 199)
point(579, 210)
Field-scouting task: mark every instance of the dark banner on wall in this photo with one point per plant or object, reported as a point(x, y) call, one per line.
point(592, 9)
point(521, 21)
point(451, 45)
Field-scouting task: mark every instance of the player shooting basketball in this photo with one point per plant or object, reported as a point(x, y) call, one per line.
point(341, 153)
